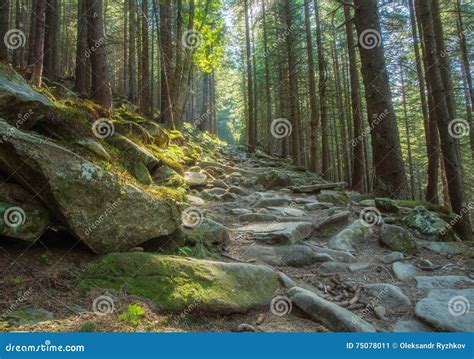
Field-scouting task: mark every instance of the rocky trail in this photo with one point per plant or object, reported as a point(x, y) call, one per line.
point(272, 257)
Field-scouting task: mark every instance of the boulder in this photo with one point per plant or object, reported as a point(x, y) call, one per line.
point(140, 172)
point(448, 309)
point(20, 104)
point(274, 179)
point(340, 256)
point(403, 271)
point(94, 147)
point(278, 233)
point(350, 237)
point(386, 205)
point(208, 232)
point(329, 314)
point(196, 179)
point(443, 282)
point(398, 239)
point(93, 204)
point(287, 211)
point(429, 224)
point(134, 152)
point(175, 283)
point(291, 255)
point(413, 326)
point(443, 248)
point(388, 294)
point(29, 315)
point(21, 215)
point(392, 257)
point(334, 197)
point(257, 217)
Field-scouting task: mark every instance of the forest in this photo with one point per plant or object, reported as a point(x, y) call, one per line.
point(158, 158)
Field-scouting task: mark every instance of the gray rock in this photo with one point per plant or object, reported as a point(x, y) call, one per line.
point(29, 315)
point(442, 248)
point(318, 206)
point(278, 233)
point(134, 152)
point(388, 294)
point(367, 203)
point(240, 211)
point(392, 257)
point(208, 232)
point(425, 264)
point(257, 217)
point(443, 282)
point(380, 311)
point(274, 179)
point(95, 205)
point(340, 256)
point(237, 190)
point(219, 183)
point(95, 147)
point(403, 271)
point(20, 104)
point(334, 267)
point(195, 179)
point(334, 197)
point(287, 211)
point(353, 235)
point(356, 267)
point(429, 224)
point(272, 201)
point(291, 255)
point(405, 326)
point(398, 239)
point(386, 205)
point(329, 314)
point(448, 309)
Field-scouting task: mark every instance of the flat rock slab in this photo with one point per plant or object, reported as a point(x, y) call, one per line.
point(443, 248)
point(443, 282)
point(175, 283)
point(392, 257)
point(329, 314)
point(291, 255)
point(278, 233)
point(403, 271)
point(287, 211)
point(448, 309)
point(350, 237)
point(340, 256)
point(388, 294)
point(405, 326)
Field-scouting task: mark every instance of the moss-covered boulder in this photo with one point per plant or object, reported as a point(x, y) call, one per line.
point(20, 104)
point(95, 205)
point(398, 239)
point(21, 215)
point(132, 152)
point(141, 173)
point(429, 224)
point(173, 283)
point(386, 205)
point(274, 179)
point(209, 232)
point(335, 197)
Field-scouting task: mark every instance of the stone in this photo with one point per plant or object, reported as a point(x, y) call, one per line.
point(240, 211)
point(227, 196)
point(392, 257)
point(20, 104)
point(208, 232)
point(94, 147)
point(213, 193)
point(195, 179)
point(356, 267)
point(195, 200)
point(403, 271)
point(398, 239)
point(406, 326)
point(443, 282)
point(278, 233)
point(218, 183)
point(95, 205)
point(350, 237)
point(140, 172)
point(257, 217)
point(427, 265)
point(175, 283)
point(332, 316)
point(290, 255)
point(388, 294)
point(386, 205)
point(274, 179)
point(334, 267)
point(367, 203)
point(29, 315)
point(272, 201)
point(237, 190)
point(334, 197)
point(134, 152)
point(315, 206)
point(340, 256)
point(429, 224)
point(380, 311)
point(22, 216)
point(287, 211)
point(448, 309)
point(443, 248)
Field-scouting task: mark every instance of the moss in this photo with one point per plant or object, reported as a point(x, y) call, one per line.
point(173, 282)
point(178, 194)
point(428, 205)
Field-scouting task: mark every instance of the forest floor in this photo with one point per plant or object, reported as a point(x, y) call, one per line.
point(39, 270)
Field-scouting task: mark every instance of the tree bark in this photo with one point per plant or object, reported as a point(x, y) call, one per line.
point(4, 27)
point(38, 53)
point(251, 110)
point(82, 72)
point(448, 145)
point(390, 178)
point(145, 90)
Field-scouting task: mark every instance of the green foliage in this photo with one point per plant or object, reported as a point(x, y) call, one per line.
point(88, 327)
point(132, 315)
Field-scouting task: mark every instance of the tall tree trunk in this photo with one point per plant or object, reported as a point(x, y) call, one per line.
point(132, 51)
point(251, 109)
point(51, 40)
point(31, 34)
point(4, 27)
point(82, 72)
point(145, 90)
point(267, 78)
point(390, 178)
point(21, 12)
point(313, 102)
point(100, 89)
point(166, 51)
point(448, 145)
point(322, 94)
point(357, 142)
point(37, 73)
